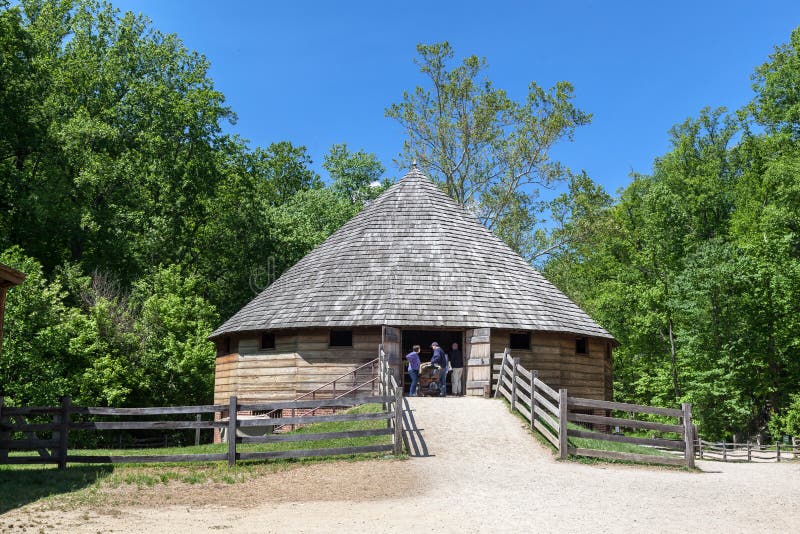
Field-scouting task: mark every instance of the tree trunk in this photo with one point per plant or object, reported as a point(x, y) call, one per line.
point(674, 360)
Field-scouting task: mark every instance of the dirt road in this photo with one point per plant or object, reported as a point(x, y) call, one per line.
point(477, 477)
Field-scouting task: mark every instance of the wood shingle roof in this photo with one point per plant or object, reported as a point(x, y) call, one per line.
point(413, 257)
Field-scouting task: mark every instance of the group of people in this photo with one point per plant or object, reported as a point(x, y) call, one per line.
point(443, 362)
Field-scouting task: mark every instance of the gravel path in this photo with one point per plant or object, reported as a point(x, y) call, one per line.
point(479, 477)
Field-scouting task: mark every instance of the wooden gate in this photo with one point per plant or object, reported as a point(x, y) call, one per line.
point(477, 352)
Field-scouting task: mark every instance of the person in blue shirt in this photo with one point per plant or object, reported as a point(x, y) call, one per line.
point(439, 359)
point(413, 369)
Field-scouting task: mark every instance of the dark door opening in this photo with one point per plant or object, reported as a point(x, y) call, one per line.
point(424, 338)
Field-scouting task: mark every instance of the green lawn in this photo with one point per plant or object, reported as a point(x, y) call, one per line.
point(597, 444)
point(603, 445)
point(22, 484)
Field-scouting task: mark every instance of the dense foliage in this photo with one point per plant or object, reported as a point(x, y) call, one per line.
point(696, 268)
point(139, 222)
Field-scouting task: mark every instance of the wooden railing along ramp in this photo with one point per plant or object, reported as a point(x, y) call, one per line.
point(19, 433)
point(550, 412)
point(362, 382)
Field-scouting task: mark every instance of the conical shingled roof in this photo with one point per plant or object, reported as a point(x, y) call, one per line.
point(413, 257)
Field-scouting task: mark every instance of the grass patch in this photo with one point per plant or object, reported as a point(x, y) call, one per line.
point(587, 443)
point(23, 484)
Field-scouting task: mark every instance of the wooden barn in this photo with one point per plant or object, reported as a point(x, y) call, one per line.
point(8, 277)
point(413, 267)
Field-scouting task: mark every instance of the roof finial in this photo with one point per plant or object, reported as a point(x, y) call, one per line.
point(414, 164)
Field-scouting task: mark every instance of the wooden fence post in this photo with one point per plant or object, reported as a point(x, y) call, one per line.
point(778, 450)
point(197, 418)
point(500, 376)
point(398, 419)
point(3, 434)
point(63, 430)
point(383, 383)
point(724, 452)
point(534, 376)
point(373, 375)
point(749, 452)
point(688, 437)
point(562, 424)
point(232, 407)
point(514, 384)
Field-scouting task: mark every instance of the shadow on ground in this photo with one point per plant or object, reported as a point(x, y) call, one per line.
point(23, 485)
point(413, 438)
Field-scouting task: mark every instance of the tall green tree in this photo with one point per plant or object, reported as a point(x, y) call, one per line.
point(488, 151)
point(355, 175)
point(36, 365)
point(113, 138)
point(240, 246)
point(139, 221)
point(696, 267)
point(172, 322)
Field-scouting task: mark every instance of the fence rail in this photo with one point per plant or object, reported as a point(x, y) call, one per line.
point(18, 433)
point(745, 452)
point(550, 412)
point(352, 385)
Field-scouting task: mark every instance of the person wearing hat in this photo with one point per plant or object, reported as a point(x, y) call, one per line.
point(439, 360)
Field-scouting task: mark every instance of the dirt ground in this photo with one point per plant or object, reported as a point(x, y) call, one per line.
point(482, 471)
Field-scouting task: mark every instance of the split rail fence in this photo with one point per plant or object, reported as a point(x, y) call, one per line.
point(550, 411)
point(745, 452)
point(21, 428)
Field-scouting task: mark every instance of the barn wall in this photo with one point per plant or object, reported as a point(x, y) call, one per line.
point(303, 361)
point(225, 378)
point(300, 362)
point(317, 363)
point(553, 356)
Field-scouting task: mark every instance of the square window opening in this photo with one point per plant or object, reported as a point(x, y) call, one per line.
point(224, 346)
point(341, 338)
point(520, 341)
point(581, 345)
point(267, 340)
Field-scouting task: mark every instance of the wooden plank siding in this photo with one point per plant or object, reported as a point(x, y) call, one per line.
point(477, 358)
point(553, 356)
point(301, 361)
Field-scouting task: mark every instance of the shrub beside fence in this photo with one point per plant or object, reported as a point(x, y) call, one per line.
point(550, 412)
point(17, 433)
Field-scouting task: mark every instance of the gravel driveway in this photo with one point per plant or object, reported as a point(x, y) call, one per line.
point(484, 472)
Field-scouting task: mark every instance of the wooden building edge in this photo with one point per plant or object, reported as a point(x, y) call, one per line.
point(9, 277)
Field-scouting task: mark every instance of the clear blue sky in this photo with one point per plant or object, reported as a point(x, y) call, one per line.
point(319, 73)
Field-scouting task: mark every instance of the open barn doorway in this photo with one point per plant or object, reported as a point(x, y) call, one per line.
point(424, 338)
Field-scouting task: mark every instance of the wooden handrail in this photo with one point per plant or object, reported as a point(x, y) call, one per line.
point(335, 396)
point(538, 403)
point(313, 392)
